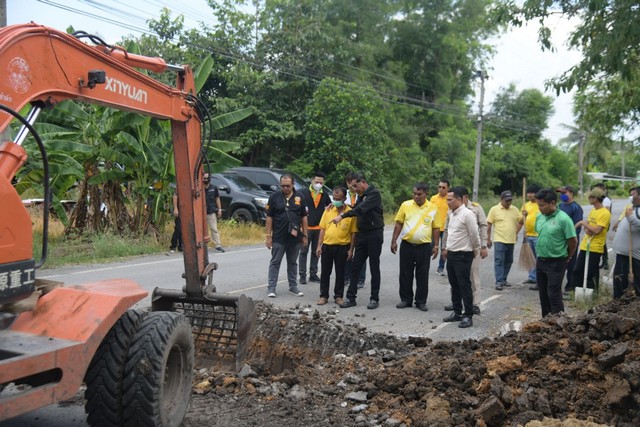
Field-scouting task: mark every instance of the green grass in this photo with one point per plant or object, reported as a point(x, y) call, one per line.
point(107, 247)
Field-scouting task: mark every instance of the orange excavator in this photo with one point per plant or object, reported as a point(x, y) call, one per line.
point(137, 365)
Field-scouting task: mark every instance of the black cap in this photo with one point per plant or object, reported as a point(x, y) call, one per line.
point(506, 195)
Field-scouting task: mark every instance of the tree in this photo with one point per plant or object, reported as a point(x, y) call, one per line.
point(608, 37)
point(345, 132)
point(515, 144)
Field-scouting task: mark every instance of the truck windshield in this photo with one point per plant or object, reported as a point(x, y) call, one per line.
point(241, 182)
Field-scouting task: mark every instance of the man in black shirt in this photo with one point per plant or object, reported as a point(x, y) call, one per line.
point(214, 211)
point(316, 201)
point(369, 238)
point(286, 230)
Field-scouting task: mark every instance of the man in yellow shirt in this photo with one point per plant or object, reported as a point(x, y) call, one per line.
point(505, 221)
point(595, 228)
point(440, 200)
point(529, 212)
point(418, 224)
point(335, 246)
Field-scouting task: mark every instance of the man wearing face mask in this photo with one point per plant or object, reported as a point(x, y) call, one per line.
point(316, 201)
point(575, 212)
point(335, 246)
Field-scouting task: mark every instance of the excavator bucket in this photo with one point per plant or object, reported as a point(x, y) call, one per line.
point(222, 325)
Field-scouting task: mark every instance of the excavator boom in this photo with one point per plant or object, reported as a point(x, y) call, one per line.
point(75, 333)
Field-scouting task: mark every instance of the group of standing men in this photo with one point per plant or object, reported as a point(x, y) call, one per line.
point(345, 231)
point(299, 219)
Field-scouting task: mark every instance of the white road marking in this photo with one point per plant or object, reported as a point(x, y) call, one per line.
point(140, 264)
point(444, 324)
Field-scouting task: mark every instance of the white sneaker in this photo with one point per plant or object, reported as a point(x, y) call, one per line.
point(296, 292)
point(271, 294)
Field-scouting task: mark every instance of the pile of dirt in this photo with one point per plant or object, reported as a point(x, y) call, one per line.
point(310, 369)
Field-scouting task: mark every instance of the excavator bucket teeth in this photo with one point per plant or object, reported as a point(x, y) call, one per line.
point(222, 326)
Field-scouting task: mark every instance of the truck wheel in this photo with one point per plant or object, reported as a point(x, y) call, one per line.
point(242, 215)
point(159, 371)
point(106, 372)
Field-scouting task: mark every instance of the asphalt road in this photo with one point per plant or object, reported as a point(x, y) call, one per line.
point(243, 270)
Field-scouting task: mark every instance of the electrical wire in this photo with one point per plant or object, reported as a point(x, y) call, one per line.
point(430, 106)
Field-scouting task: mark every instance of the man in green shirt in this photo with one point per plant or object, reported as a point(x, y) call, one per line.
point(557, 242)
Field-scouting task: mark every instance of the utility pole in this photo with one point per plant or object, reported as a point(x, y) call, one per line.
point(3, 13)
point(583, 140)
point(476, 169)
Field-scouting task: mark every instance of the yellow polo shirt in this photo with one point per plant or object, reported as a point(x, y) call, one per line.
point(417, 221)
point(530, 223)
point(340, 233)
point(601, 217)
point(504, 223)
point(443, 208)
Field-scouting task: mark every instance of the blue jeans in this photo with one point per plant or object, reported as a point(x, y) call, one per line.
point(503, 258)
point(533, 242)
point(278, 251)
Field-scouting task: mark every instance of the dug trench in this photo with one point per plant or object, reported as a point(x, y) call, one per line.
point(308, 369)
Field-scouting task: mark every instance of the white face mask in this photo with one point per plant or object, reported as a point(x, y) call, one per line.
point(317, 186)
point(630, 199)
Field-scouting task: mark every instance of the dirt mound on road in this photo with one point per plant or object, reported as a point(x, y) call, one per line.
point(310, 369)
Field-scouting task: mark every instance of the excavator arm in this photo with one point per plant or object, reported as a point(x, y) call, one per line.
point(42, 66)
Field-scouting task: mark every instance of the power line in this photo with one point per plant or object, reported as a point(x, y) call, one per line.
point(134, 19)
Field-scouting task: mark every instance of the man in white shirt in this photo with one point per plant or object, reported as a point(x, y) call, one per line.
point(463, 243)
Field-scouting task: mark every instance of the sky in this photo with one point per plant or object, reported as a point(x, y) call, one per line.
point(518, 57)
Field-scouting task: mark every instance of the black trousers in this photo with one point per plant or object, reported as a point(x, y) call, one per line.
point(621, 275)
point(176, 237)
point(593, 275)
point(313, 237)
point(368, 246)
point(549, 272)
point(459, 273)
point(333, 255)
point(570, 267)
point(414, 258)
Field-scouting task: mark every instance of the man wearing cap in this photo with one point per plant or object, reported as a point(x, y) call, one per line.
point(505, 221)
point(595, 228)
point(529, 212)
point(607, 204)
point(575, 212)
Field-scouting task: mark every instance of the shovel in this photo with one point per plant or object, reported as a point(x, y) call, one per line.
point(584, 293)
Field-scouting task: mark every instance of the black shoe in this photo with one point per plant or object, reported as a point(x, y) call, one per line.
point(466, 323)
point(314, 278)
point(220, 249)
point(180, 248)
point(534, 288)
point(529, 282)
point(422, 307)
point(448, 307)
point(455, 317)
point(403, 304)
point(348, 303)
point(498, 286)
point(507, 284)
point(303, 280)
point(373, 304)
point(360, 285)
point(476, 309)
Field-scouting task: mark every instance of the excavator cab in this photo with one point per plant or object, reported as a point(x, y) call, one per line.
point(138, 365)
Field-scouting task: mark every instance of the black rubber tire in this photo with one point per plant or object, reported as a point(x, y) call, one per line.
point(105, 374)
point(159, 372)
point(242, 215)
